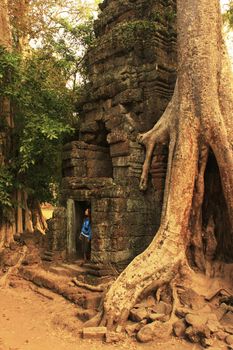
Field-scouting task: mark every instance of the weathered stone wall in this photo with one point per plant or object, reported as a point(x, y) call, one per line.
point(55, 239)
point(131, 72)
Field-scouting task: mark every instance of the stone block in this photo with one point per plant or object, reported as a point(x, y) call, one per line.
point(119, 256)
point(227, 319)
point(99, 168)
point(94, 115)
point(98, 155)
point(228, 329)
point(84, 183)
point(158, 317)
point(88, 137)
point(117, 136)
point(74, 162)
point(118, 205)
point(133, 328)
point(113, 122)
point(119, 149)
point(100, 217)
point(94, 333)
point(102, 205)
point(136, 220)
point(155, 330)
point(113, 337)
point(121, 175)
point(162, 308)
point(99, 256)
point(196, 320)
point(138, 314)
point(221, 335)
point(120, 161)
point(100, 244)
point(134, 205)
point(91, 127)
point(80, 171)
point(127, 96)
point(101, 229)
point(67, 155)
point(229, 340)
point(179, 328)
point(137, 157)
point(192, 335)
point(120, 243)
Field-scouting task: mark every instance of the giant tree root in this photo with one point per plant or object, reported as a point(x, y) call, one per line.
point(199, 309)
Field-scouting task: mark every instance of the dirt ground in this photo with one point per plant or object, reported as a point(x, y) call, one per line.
point(31, 321)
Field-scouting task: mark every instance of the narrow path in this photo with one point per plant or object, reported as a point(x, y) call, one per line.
point(30, 321)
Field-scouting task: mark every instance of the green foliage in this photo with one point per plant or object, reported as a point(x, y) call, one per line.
point(70, 45)
point(228, 14)
point(43, 116)
point(140, 25)
point(42, 87)
point(170, 15)
point(9, 68)
point(66, 29)
point(6, 186)
point(132, 30)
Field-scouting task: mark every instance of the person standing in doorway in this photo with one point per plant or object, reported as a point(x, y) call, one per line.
point(86, 234)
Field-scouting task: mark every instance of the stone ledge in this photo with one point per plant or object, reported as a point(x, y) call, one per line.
point(74, 183)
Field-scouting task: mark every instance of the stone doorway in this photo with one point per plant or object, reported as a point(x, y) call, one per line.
point(80, 207)
point(75, 216)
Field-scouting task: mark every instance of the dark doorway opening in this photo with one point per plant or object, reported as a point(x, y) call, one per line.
point(80, 207)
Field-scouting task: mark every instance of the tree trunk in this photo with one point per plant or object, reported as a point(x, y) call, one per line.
point(38, 220)
point(20, 18)
point(197, 126)
point(7, 227)
point(5, 31)
point(22, 218)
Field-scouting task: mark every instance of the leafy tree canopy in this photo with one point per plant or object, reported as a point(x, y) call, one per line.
point(38, 86)
point(228, 14)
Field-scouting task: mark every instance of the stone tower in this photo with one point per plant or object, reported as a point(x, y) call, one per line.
point(131, 75)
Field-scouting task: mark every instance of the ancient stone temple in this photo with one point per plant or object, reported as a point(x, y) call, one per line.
point(131, 74)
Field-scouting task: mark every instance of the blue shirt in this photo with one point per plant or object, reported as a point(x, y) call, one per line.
point(86, 229)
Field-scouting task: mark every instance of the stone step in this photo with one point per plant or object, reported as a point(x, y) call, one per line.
point(93, 274)
point(93, 266)
point(67, 270)
point(99, 270)
point(49, 253)
point(47, 256)
point(63, 286)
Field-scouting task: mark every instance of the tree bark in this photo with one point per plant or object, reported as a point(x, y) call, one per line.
point(197, 122)
point(7, 228)
point(38, 220)
point(20, 19)
point(5, 31)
